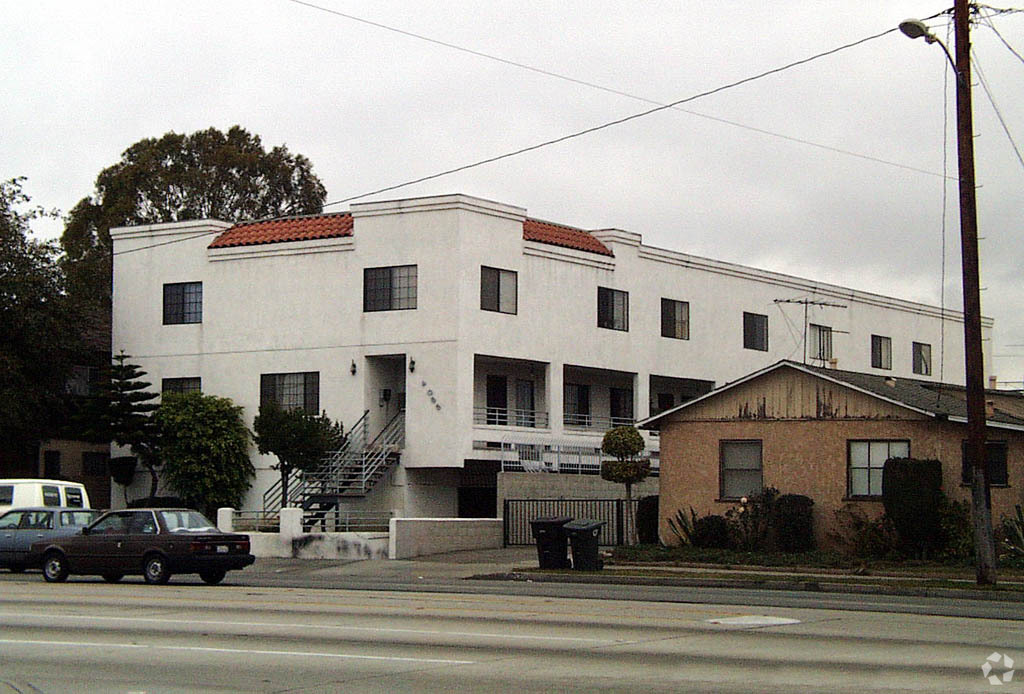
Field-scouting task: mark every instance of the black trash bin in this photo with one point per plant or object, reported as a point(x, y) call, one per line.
point(552, 550)
point(583, 535)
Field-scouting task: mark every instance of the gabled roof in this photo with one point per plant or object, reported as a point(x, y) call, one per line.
point(567, 237)
point(323, 226)
point(929, 398)
point(304, 228)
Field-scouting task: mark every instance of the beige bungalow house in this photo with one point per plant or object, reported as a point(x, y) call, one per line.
point(827, 433)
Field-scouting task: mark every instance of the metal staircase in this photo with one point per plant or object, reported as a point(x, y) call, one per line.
point(350, 472)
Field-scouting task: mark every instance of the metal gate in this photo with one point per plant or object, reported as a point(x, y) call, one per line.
point(519, 512)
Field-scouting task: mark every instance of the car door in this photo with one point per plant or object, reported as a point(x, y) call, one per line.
point(34, 526)
point(142, 531)
point(99, 550)
point(9, 524)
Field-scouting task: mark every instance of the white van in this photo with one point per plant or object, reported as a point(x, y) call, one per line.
point(26, 492)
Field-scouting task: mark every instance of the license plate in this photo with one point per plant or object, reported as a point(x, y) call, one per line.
point(222, 548)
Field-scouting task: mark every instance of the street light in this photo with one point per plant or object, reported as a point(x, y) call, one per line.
point(981, 512)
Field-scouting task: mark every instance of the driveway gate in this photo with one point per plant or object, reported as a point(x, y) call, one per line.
point(519, 512)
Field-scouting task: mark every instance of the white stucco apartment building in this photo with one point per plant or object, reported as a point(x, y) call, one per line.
point(486, 333)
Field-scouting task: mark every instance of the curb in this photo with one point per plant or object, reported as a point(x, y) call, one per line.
point(749, 584)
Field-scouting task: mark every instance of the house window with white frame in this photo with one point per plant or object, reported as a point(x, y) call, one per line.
point(389, 288)
point(865, 461)
point(292, 391)
point(922, 356)
point(881, 352)
point(819, 347)
point(498, 290)
point(675, 319)
point(740, 469)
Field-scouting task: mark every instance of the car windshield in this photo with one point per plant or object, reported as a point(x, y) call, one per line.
point(186, 521)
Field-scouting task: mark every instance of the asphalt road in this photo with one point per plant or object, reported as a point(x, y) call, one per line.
point(87, 636)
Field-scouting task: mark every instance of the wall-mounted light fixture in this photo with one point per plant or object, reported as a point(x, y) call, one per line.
point(352, 369)
point(412, 365)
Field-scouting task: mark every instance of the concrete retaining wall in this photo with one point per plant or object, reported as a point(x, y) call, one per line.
point(291, 542)
point(416, 537)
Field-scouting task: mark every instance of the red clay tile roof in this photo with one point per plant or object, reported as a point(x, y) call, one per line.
point(321, 226)
point(567, 237)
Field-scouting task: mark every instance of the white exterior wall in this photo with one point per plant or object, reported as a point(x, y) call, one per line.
point(297, 306)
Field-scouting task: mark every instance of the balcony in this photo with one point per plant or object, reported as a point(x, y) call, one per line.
point(589, 422)
point(504, 416)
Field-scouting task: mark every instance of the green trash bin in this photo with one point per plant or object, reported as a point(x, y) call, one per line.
point(552, 548)
point(583, 535)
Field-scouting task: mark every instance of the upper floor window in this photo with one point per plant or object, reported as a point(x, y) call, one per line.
point(189, 384)
point(740, 471)
point(995, 462)
point(498, 290)
point(865, 461)
point(819, 342)
point(755, 331)
point(922, 358)
point(675, 319)
point(612, 309)
point(389, 288)
point(292, 390)
point(881, 352)
point(183, 303)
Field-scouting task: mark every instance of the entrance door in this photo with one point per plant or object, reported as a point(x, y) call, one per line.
point(497, 400)
point(524, 404)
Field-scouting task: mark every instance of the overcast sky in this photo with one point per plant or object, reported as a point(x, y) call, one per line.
point(373, 108)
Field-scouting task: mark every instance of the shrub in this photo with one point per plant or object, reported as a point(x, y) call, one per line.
point(793, 522)
point(647, 520)
point(712, 532)
point(1013, 534)
point(750, 522)
point(856, 535)
point(682, 525)
point(912, 495)
point(957, 530)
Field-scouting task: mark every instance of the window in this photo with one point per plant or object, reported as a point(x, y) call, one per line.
point(389, 288)
point(577, 404)
point(73, 497)
point(612, 309)
point(10, 521)
point(995, 462)
point(881, 352)
point(922, 359)
point(51, 495)
point(111, 524)
point(82, 381)
point(820, 342)
point(664, 401)
point(183, 303)
point(7, 494)
point(94, 464)
point(755, 331)
point(675, 319)
point(188, 384)
point(51, 465)
point(292, 391)
point(525, 415)
point(498, 290)
point(865, 462)
point(621, 406)
point(740, 471)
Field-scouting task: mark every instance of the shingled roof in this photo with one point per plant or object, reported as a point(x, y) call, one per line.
point(319, 226)
point(323, 226)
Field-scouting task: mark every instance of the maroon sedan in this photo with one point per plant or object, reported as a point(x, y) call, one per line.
point(155, 542)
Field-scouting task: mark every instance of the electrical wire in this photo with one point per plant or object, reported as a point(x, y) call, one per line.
point(995, 107)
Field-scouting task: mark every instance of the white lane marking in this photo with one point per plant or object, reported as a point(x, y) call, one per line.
point(237, 651)
point(335, 627)
point(753, 620)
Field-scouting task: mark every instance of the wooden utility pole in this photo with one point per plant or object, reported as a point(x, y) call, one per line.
point(981, 511)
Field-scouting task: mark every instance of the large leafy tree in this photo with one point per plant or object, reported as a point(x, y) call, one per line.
point(209, 173)
point(204, 444)
point(300, 440)
point(38, 336)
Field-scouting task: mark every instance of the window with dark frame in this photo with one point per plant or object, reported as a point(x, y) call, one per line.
point(675, 319)
point(187, 384)
point(621, 406)
point(577, 404)
point(755, 331)
point(740, 469)
point(995, 462)
point(820, 342)
point(389, 288)
point(865, 461)
point(292, 391)
point(498, 290)
point(183, 303)
point(612, 309)
point(881, 352)
point(922, 355)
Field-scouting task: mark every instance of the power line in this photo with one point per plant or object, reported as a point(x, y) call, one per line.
point(995, 107)
point(612, 123)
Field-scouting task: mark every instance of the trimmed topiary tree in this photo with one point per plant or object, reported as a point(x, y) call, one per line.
point(912, 496)
point(625, 443)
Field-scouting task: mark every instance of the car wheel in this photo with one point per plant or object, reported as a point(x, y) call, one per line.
point(55, 568)
point(155, 570)
point(212, 576)
point(112, 578)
